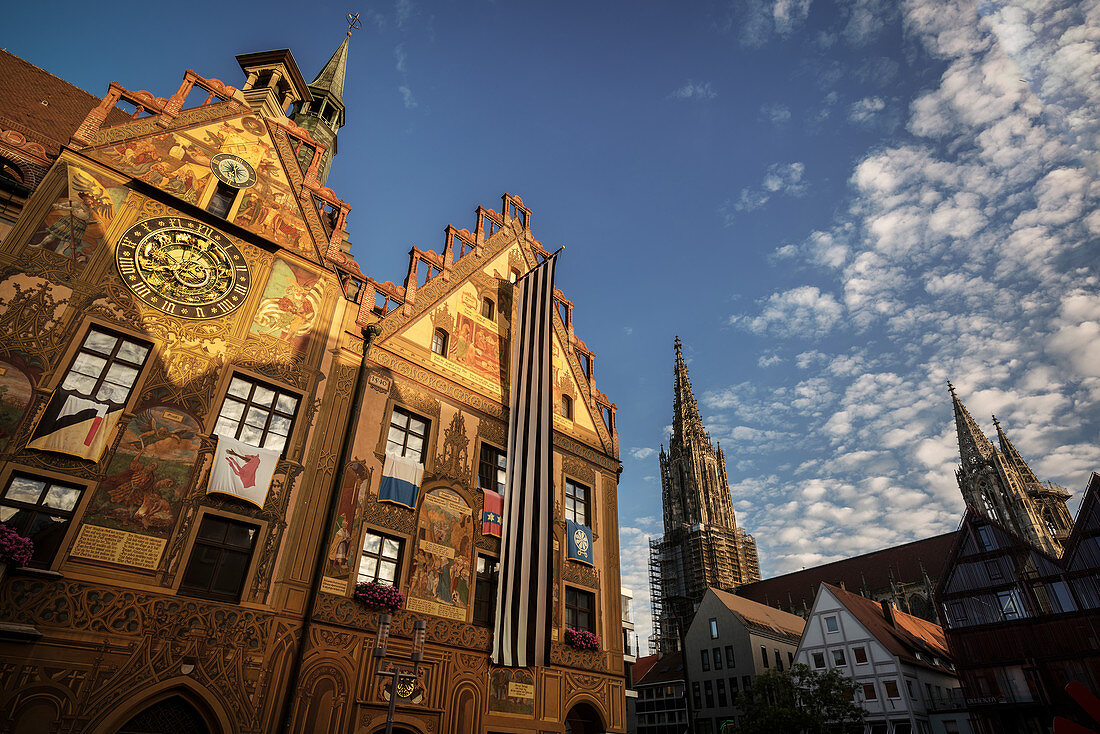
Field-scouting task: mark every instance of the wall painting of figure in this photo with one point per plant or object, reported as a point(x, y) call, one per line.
point(342, 558)
point(168, 161)
point(290, 304)
point(134, 510)
point(15, 396)
point(439, 582)
point(76, 223)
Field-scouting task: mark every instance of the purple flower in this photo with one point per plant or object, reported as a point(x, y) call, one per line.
point(14, 548)
point(581, 639)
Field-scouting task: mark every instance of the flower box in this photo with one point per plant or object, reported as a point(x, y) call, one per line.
point(15, 550)
point(374, 595)
point(581, 639)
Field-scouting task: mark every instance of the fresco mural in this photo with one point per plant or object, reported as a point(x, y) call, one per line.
point(78, 220)
point(15, 395)
point(169, 161)
point(477, 343)
point(512, 691)
point(290, 304)
point(271, 211)
point(439, 582)
point(341, 560)
point(134, 509)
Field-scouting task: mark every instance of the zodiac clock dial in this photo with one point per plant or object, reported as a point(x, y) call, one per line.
point(183, 267)
point(233, 170)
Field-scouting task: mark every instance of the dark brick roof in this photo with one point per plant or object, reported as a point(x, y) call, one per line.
point(875, 567)
point(23, 89)
point(665, 669)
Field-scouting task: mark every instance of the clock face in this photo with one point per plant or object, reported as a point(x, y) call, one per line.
point(183, 267)
point(233, 170)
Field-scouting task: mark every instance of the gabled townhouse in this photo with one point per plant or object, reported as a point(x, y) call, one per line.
point(904, 676)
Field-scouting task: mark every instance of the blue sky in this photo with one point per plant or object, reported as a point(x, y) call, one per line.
point(836, 205)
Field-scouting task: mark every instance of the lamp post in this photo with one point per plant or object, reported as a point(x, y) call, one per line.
point(396, 676)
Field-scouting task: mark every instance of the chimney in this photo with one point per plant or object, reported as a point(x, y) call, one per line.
point(888, 612)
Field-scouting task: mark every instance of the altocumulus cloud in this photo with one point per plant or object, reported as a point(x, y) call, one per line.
point(963, 253)
point(693, 90)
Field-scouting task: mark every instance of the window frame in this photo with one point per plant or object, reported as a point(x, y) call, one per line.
point(832, 624)
point(184, 589)
point(859, 651)
point(271, 410)
point(39, 508)
point(577, 610)
point(840, 660)
point(121, 336)
point(874, 692)
point(731, 658)
point(409, 416)
point(501, 471)
point(566, 410)
point(571, 501)
point(814, 656)
point(441, 338)
point(891, 683)
point(485, 581)
point(488, 308)
point(704, 659)
point(380, 558)
point(716, 656)
point(713, 622)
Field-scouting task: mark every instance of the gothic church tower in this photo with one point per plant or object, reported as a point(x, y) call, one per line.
point(1000, 485)
point(702, 546)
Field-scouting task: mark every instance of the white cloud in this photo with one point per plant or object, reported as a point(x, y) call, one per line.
point(866, 109)
point(642, 453)
point(779, 178)
point(802, 311)
point(693, 90)
point(407, 97)
point(775, 113)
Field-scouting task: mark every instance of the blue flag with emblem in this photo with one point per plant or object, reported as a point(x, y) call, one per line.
point(579, 542)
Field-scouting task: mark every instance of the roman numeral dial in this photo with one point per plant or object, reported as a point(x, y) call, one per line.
point(183, 267)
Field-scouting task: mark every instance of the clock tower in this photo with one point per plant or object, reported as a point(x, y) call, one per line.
point(323, 114)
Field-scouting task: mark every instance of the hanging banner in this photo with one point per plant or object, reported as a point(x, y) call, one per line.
point(242, 471)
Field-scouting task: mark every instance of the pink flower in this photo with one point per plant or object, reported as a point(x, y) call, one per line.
point(14, 548)
point(378, 596)
point(581, 639)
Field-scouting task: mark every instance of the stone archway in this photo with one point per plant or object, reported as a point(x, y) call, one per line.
point(172, 715)
point(584, 719)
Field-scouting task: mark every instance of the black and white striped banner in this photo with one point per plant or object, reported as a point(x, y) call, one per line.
point(522, 630)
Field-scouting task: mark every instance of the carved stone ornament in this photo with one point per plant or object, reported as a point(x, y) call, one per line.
point(453, 463)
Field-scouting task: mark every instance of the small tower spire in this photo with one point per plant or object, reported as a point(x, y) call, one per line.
point(1014, 459)
point(973, 445)
point(324, 115)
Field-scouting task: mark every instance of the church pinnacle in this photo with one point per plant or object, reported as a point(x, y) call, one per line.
point(1002, 487)
point(685, 412)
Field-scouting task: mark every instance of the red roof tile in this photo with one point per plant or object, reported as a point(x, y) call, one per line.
point(907, 636)
point(668, 668)
point(44, 108)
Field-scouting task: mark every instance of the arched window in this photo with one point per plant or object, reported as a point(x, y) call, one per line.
point(9, 169)
point(488, 308)
point(1048, 518)
point(990, 506)
point(567, 407)
point(439, 342)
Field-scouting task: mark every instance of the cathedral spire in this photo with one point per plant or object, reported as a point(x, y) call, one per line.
point(973, 444)
point(685, 412)
point(1014, 459)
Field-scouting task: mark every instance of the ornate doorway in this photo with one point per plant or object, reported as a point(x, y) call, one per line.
point(171, 715)
point(584, 719)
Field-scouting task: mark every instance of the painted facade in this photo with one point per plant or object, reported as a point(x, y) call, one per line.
point(148, 307)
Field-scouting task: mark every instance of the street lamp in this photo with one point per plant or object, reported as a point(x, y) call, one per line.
point(420, 631)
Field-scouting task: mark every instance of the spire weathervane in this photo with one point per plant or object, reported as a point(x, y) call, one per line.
point(353, 22)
